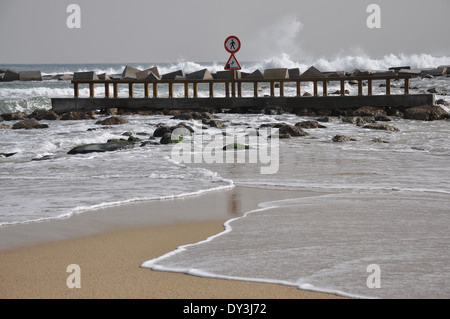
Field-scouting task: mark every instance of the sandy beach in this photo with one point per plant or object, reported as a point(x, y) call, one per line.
point(110, 244)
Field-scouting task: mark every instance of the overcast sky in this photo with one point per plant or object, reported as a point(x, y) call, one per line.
point(118, 31)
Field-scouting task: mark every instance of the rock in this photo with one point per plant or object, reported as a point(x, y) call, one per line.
point(398, 68)
point(113, 120)
point(4, 127)
point(278, 73)
point(292, 130)
point(235, 146)
point(145, 143)
point(196, 116)
point(30, 76)
point(312, 72)
point(169, 138)
point(14, 116)
point(129, 73)
point(442, 102)
point(76, 115)
point(342, 138)
point(214, 123)
point(307, 94)
point(85, 76)
point(383, 118)
point(380, 126)
point(42, 114)
point(273, 110)
point(161, 130)
point(111, 111)
point(324, 119)
point(200, 75)
point(28, 124)
point(358, 120)
point(434, 72)
point(309, 124)
point(369, 111)
point(101, 147)
point(414, 73)
point(7, 154)
point(426, 113)
point(10, 75)
point(436, 91)
point(379, 140)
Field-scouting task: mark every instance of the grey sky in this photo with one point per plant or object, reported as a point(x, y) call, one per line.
point(167, 30)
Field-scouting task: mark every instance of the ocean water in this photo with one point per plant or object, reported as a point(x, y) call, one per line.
point(384, 204)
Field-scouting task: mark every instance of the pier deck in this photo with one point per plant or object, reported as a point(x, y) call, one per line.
point(233, 99)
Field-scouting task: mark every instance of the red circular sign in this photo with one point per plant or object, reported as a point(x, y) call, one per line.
point(232, 44)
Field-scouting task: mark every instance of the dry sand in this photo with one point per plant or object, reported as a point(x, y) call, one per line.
point(110, 254)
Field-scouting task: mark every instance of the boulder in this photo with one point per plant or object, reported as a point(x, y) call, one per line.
point(438, 91)
point(173, 75)
point(310, 124)
point(42, 114)
point(426, 113)
point(200, 75)
point(381, 126)
point(291, 130)
point(101, 147)
point(14, 116)
point(161, 130)
point(28, 125)
point(278, 73)
point(30, 76)
point(342, 138)
point(369, 111)
point(214, 123)
point(85, 76)
point(257, 74)
point(4, 127)
point(197, 116)
point(11, 75)
point(442, 102)
point(76, 115)
point(113, 120)
point(129, 73)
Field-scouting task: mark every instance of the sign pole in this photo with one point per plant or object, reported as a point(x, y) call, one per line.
point(232, 45)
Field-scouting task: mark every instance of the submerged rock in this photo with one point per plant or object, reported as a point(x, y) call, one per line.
point(342, 138)
point(291, 130)
point(113, 120)
point(101, 147)
point(310, 124)
point(380, 126)
point(76, 116)
point(28, 125)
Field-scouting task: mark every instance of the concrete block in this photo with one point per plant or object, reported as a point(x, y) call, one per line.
point(30, 76)
point(383, 73)
point(200, 75)
point(143, 75)
point(398, 68)
point(129, 73)
point(104, 77)
point(65, 77)
point(227, 75)
point(434, 72)
point(361, 72)
point(335, 74)
point(312, 72)
point(172, 75)
point(279, 73)
point(412, 72)
point(11, 75)
point(88, 76)
point(257, 74)
point(294, 73)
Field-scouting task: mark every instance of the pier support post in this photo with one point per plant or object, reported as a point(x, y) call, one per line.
point(130, 90)
point(106, 90)
point(170, 89)
point(116, 90)
point(186, 89)
point(91, 90)
point(388, 86)
point(406, 86)
point(369, 87)
point(342, 87)
point(299, 88)
point(146, 92)
point(155, 89)
point(316, 90)
point(75, 90)
point(255, 89)
point(325, 88)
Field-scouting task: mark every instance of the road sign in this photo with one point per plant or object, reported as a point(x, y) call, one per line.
point(232, 44)
point(232, 63)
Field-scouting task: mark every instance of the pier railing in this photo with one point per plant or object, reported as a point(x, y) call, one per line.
point(233, 87)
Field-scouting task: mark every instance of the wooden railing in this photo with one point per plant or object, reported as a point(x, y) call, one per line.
point(237, 92)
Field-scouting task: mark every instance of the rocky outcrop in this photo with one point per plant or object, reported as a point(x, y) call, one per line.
point(113, 120)
point(426, 113)
point(369, 111)
point(28, 125)
point(14, 116)
point(287, 130)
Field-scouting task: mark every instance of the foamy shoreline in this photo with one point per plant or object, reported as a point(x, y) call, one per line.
point(110, 249)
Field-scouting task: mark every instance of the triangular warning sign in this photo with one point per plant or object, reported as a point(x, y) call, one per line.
point(232, 63)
